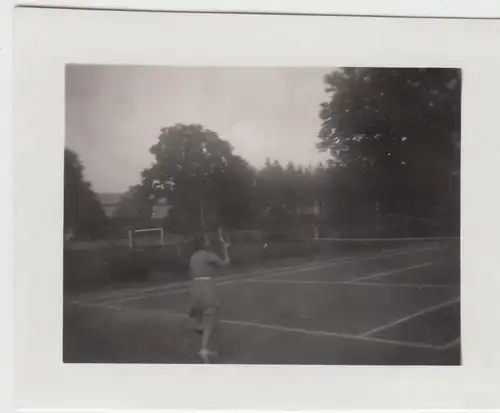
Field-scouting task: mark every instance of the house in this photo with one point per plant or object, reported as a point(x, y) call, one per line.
point(161, 209)
point(111, 201)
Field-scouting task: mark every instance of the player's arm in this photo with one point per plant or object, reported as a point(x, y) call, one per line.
point(215, 260)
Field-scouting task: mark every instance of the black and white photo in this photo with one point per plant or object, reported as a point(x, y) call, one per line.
point(262, 215)
point(254, 211)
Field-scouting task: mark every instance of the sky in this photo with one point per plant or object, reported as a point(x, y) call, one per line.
point(114, 114)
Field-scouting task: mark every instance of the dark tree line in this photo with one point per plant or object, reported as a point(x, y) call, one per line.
point(394, 140)
point(83, 213)
point(398, 133)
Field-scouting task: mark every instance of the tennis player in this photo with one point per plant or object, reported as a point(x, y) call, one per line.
point(204, 301)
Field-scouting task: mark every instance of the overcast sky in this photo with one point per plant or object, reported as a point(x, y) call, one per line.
point(114, 114)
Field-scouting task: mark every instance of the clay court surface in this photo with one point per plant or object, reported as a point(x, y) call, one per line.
point(393, 306)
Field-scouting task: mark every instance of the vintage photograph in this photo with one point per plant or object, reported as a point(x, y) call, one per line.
point(262, 215)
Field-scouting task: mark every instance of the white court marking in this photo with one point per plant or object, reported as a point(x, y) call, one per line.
point(363, 337)
point(369, 258)
point(391, 272)
point(275, 274)
point(409, 317)
point(355, 280)
point(132, 292)
point(390, 239)
point(260, 271)
point(367, 284)
point(450, 344)
point(148, 313)
point(264, 273)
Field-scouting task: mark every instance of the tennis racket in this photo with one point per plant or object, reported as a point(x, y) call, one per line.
point(226, 243)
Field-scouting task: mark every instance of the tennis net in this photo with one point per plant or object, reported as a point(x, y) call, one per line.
point(341, 246)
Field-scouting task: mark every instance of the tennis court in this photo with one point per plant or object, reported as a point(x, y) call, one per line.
point(396, 304)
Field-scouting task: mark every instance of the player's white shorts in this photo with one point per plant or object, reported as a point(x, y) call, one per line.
point(204, 300)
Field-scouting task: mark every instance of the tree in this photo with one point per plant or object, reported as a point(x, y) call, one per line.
point(206, 184)
point(286, 197)
point(271, 199)
point(233, 188)
point(397, 132)
point(83, 213)
point(135, 208)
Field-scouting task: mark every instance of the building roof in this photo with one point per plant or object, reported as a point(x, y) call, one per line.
point(161, 211)
point(113, 199)
point(109, 198)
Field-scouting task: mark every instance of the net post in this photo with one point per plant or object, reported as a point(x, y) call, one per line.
point(130, 240)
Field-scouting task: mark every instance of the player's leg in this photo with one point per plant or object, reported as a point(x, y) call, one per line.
point(196, 307)
point(195, 318)
point(209, 319)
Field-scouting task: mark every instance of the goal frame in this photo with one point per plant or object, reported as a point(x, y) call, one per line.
point(131, 239)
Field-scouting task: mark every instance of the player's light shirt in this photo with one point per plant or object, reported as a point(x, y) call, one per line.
point(202, 263)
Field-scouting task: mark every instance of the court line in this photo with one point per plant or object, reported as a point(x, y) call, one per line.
point(263, 271)
point(409, 317)
point(183, 286)
point(171, 288)
point(376, 257)
point(233, 280)
point(369, 284)
point(266, 272)
point(391, 272)
point(274, 327)
point(390, 239)
point(451, 344)
point(329, 334)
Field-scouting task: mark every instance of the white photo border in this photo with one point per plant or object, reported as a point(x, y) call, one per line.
point(46, 40)
point(423, 8)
